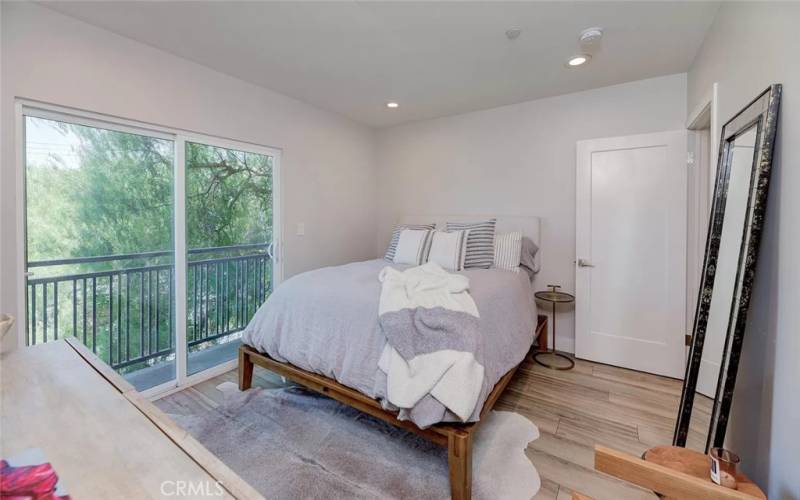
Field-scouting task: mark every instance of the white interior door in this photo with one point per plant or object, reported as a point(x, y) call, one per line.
point(631, 252)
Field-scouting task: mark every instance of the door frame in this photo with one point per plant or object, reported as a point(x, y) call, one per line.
point(703, 173)
point(28, 107)
point(708, 105)
point(584, 149)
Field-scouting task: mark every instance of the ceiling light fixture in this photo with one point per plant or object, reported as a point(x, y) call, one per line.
point(578, 60)
point(392, 105)
point(513, 33)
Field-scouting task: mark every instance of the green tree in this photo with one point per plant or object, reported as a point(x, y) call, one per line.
point(228, 197)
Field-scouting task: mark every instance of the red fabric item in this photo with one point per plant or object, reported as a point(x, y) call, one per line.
point(28, 482)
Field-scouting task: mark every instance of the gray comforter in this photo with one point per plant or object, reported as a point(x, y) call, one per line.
point(326, 321)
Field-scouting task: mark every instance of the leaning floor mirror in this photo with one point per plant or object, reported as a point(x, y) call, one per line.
point(729, 267)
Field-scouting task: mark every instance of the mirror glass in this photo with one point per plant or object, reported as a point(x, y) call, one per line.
point(739, 173)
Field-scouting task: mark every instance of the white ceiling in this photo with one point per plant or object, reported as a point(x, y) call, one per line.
point(434, 58)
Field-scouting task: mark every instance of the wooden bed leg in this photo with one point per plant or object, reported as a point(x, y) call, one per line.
point(459, 458)
point(245, 369)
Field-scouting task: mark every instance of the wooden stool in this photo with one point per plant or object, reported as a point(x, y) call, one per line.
point(696, 464)
point(673, 473)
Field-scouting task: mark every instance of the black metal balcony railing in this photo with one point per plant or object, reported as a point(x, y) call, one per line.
point(127, 316)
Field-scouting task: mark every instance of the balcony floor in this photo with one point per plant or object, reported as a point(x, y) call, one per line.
point(198, 361)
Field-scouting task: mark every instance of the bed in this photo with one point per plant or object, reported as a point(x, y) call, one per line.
point(320, 329)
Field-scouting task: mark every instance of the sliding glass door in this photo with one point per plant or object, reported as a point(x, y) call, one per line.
point(153, 247)
point(229, 237)
point(99, 241)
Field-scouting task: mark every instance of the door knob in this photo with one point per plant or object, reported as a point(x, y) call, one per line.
point(584, 263)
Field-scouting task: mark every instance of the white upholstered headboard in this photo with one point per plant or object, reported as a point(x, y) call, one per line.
point(529, 226)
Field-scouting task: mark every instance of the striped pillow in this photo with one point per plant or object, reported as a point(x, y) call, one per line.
point(413, 246)
point(396, 236)
point(480, 242)
point(449, 249)
point(508, 251)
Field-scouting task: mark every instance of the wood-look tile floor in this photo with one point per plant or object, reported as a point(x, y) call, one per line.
point(574, 410)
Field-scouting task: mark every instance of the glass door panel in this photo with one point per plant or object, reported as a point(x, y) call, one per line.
point(229, 236)
point(99, 244)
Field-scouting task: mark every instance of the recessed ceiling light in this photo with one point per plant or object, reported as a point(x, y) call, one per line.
point(513, 33)
point(578, 60)
point(392, 105)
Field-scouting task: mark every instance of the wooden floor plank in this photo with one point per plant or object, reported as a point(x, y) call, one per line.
point(544, 417)
point(591, 432)
point(576, 415)
point(565, 449)
point(645, 380)
point(587, 481)
point(582, 403)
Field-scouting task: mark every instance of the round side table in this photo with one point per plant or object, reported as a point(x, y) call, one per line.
point(546, 357)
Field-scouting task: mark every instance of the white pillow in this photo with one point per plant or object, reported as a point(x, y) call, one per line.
point(449, 249)
point(412, 246)
point(396, 235)
point(508, 251)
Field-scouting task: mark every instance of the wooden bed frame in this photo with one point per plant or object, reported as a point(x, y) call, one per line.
point(456, 437)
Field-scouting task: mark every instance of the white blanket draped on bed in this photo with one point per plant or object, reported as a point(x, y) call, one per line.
point(433, 345)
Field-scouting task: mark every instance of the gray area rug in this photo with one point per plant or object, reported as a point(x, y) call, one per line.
point(290, 443)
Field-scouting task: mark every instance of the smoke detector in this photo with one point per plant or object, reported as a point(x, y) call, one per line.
point(591, 36)
point(513, 33)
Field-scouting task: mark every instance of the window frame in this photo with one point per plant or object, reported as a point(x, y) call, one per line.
point(29, 108)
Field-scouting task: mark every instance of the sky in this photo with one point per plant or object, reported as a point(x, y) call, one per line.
point(44, 142)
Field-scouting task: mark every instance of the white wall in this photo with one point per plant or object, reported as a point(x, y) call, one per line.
point(328, 166)
point(749, 46)
point(518, 160)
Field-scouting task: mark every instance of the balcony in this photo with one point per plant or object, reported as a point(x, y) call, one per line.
point(122, 307)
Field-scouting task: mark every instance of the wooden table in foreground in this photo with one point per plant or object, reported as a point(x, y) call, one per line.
point(103, 438)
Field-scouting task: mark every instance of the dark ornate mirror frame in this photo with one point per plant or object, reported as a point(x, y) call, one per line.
point(762, 113)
